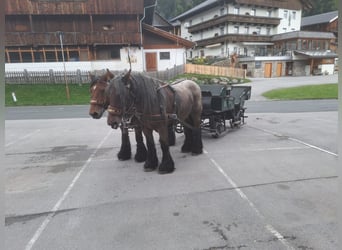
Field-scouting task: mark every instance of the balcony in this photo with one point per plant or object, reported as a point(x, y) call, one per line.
point(233, 38)
point(234, 19)
point(70, 38)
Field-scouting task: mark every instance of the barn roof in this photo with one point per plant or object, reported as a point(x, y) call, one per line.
point(177, 39)
point(303, 34)
point(321, 18)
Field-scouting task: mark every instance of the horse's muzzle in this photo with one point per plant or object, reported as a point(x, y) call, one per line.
point(114, 125)
point(96, 112)
point(95, 115)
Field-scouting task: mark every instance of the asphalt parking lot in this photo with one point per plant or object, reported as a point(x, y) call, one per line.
point(271, 184)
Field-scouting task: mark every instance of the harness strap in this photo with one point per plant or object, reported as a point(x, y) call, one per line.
point(168, 86)
point(113, 110)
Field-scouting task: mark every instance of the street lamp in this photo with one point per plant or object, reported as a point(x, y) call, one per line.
point(61, 34)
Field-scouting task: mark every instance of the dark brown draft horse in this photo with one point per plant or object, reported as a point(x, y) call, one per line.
point(156, 105)
point(99, 103)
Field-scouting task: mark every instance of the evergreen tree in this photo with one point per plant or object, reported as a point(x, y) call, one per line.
point(321, 6)
point(169, 9)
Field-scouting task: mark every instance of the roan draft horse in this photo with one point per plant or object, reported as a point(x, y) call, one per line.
point(99, 103)
point(157, 105)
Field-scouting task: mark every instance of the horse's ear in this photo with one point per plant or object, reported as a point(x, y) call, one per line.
point(109, 75)
point(125, 79)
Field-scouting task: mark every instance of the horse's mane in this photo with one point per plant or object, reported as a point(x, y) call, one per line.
point(145, 91)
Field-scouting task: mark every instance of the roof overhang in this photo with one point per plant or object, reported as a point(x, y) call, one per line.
point(257, 43)
point(213, 45)
point(176, 39)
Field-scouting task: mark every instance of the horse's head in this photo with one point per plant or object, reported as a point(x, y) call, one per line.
point(118, 93)
point(99, 100)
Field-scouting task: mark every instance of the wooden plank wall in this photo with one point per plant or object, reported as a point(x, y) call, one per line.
point(46, 7)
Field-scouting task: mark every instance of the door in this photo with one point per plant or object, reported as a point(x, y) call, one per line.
point(279, 69)
point(268, 70)
point(151, 61)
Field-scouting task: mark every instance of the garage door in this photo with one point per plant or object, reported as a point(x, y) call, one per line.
point(268, 70)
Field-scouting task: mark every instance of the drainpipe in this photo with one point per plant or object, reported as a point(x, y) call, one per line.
point(141, 34)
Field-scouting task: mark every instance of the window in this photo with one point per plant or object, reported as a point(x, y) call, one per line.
point(269, 13)
point(59, 0)
point(285, 14)
point(258, 30)
point(14, 57)
point(268, 31)
point(294, 15)
point(222, 30)
point(38, 56)
point(236, 29)
point(74, 56)
point(222, 11)
point(115, 54)
point(50, 56)
point(236, 10)
point(164, 55)
point(253, 12)
point(246, 29)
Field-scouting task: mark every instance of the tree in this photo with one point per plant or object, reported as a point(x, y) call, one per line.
point(321, 6)
point(169, 9)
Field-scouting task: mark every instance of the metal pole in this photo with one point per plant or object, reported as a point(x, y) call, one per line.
point(65, 78)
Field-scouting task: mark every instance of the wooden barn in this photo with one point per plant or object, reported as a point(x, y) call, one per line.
point(38, 31)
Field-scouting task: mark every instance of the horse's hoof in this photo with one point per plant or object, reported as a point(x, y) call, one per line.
point(185, 149)
point(124, 157)
point(149, 169)
point(140, 158)
point(168, 171)
point(196, 153)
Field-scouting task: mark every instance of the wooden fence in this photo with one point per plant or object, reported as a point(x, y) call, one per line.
point(215, 70)
point(81, 77)
point(51, 76)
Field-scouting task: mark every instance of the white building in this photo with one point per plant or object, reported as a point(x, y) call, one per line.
point(221, 28)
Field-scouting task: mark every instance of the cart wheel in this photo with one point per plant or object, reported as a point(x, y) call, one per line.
point(218, 130)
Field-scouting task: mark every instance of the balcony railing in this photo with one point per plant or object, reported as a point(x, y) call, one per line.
point(234, 18)
point(233, 38)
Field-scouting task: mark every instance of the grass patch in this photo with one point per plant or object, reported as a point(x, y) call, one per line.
point(323, 91)
point(46, 94)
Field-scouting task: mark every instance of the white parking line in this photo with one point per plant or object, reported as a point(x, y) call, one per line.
point(22, 138)
point(296, 140)
point(312, 146)
point(269, 227)
point(53, 211)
